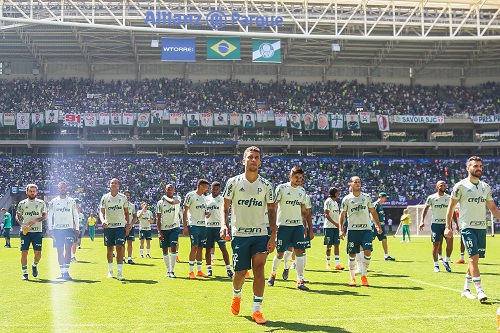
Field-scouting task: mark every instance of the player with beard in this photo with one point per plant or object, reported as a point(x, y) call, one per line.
point(31, 212)
point(63, 225)
point(474, 196)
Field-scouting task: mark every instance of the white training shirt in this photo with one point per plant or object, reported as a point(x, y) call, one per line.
point(30, 210)
point(334, 212)
point(213, 206)
point(358, 211)
point(249, 205)
point(472, 199)
point(63, 214)
point(196, 209)
point(144, 220)
point(169, 213)
point(289, 201)
point(131, 211)
point(114, 209)
point(439, 206)
point(307, 203)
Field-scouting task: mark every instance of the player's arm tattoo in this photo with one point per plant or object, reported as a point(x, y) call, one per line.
point(271, 215)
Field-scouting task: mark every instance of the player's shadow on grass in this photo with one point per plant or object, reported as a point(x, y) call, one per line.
point(277, 326)
point(85, 262)
point(82, 281)
point(388, 275)
point(394, 287)
point(334, 271)
point(488, 273)
point(140, 264)
point(48, 281)
point(329, 292)
point(140, 281)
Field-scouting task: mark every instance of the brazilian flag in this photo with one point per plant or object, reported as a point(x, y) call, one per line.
point(227, 48)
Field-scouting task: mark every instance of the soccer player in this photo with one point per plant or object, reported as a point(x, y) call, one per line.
point(357, 206)
point(292, 225)
point(114, 217)
point(78, 235)
point(7, 225)
point(249, 194)
point(193, 219)
point(331, 228)
point(214, 203)
point(382, 237)
point(130, 238)
point(31, 212)
point(474, 196)
point(168, 223)
point(63, 223)
point(91, 221)
point(439, 204)
point(145, 217)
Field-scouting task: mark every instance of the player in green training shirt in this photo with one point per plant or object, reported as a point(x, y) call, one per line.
point(382, 197)
point(7, 225)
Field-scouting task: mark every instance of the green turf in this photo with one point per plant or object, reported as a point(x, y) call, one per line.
point(404, 296)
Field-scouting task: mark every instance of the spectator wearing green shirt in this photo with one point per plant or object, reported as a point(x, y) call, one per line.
point(7, 225)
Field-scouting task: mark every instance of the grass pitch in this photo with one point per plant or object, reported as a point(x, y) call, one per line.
point(404, 296)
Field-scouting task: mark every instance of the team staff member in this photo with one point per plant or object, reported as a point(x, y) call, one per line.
point(7, 225)
point(31, 212)
point(91, 221)
point(145, 217)
point(331, 228)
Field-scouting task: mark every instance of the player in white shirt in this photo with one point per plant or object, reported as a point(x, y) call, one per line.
point(474, 196)
point(193, 219)
point(130, 238)
point(168, 223)
point(438, 202)
point(113, 213)
point(214, 202)
point(63, 223)
point(331, 228)
point(248, 194)
point(31, 213)
point(358, 207)
point(292, 225)
point(145, 218)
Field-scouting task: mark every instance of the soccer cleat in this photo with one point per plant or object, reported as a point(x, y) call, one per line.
point(389, 258)
point(25, 277)
point(285, 274)
point(364, 281)
point(61, 277)
point(176, 259)
point(467, 294)
point(258, 318)
point(328, 267)
point(120, 277)
point(339, 268)
point(270, 281)
point(110, 275)
point(301, 285)
point(67, 277)
point(34, 271)
point(436, 269)
point(352, 283)
point(446, 266)
point(201, 274)
point(305, 280)
point(461, 261)
point(248, 276)
point(209, 273)
point(481, 296)
point(148, 256)
point(142, 255)
point(192, 276)
point(230, 273)
point(73, 259)
point(130, 261)
point(79, 247)
point(235, 305)
point(294, 265)
point(172, 275)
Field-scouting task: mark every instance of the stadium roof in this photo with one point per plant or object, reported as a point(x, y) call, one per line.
point(464, 34)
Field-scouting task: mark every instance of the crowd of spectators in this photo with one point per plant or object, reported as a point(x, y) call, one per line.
point(85, 95)
point(88, 178)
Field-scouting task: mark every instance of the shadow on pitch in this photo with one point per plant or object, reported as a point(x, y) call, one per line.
point(140, 281)
point(141, 264)
point(388, 275)
point(277, 326)
point(329, 292)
